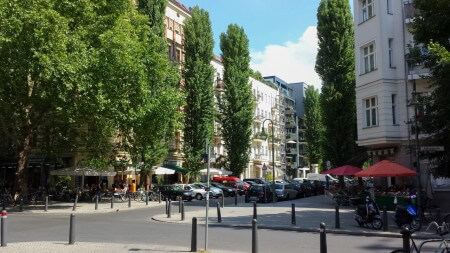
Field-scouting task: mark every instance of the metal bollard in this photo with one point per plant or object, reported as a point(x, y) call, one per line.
point(223, 200)
point(385, 219)
point(180, 200)
point(219, 216)
point(169, 212)
point(96, 202)
point(4, 202)
point(194, 235)
point(129, 201)
point(438, 215)
point(254, 236)
point(323, 238)
point(337, 219)
point(21, 205)
point(406, 234)
point(112, 202)
point(4, 228)
point(255, 214)
point(72, 229)
point(167, 205)
point(182, 211)
point(46, 204)
point(265, 194)
point(159, 198)
point(75, 203)
point(146, 198)
point(235, 200)
point(293, 215)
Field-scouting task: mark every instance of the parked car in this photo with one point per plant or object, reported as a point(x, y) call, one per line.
point(233, 182)
point(199, 192)
point(299, 179)
point(296, 185)
point(256, 180)
point(227, 191)
point(174, 191)
point(259, 193)
point(214, 191)
point(248, 184)
point(285, 191)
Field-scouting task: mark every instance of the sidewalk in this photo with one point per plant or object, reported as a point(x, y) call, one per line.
point(82, 207)
point(87, 247)
point(310, 212)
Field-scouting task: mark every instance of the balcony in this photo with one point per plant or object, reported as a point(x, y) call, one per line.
point(289, 110)
point(258, 119)
point(290, 123)
point(259, 158)
point(418, 72)
point(258, 138)
point(409, 10)
point(219, 84)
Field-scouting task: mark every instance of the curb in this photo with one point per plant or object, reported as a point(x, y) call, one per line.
point(309, 230)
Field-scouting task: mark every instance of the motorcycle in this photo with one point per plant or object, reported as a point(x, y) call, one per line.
point(408, 215)
point(369, 213)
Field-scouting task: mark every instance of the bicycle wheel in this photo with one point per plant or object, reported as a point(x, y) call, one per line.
point(399, 251)
point(430, 214)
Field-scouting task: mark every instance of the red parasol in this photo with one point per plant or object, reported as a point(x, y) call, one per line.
point(346, 170)
point(386, 168)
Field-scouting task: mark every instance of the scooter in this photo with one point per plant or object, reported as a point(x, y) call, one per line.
point(408, 215)
point(368, 213)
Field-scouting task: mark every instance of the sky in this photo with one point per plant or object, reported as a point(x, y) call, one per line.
point(282, 34)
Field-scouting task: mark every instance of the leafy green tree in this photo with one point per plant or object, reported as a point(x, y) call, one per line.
point(237, 104)
point(335, 65)
point(73, 72)
point(432, 28)
point(199, 77)
point(313, 124)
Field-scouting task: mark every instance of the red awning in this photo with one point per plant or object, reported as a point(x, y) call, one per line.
point(386, 168)
point(346, 170)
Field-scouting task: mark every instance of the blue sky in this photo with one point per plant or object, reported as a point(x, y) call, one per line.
point(282, 33)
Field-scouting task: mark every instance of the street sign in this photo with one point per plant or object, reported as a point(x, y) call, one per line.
point(432, 148)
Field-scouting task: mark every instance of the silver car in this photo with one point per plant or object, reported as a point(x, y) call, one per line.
point(214, 191)
point(199, 193)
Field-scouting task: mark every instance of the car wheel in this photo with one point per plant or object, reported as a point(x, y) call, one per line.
point(377, 223)
point(198, 196)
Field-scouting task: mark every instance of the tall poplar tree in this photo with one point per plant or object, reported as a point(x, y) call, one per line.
point(313, 123)
point(335, 65)
point(199, 77)
point(237, 104)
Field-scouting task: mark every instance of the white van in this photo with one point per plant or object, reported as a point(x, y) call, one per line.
point(320, 177)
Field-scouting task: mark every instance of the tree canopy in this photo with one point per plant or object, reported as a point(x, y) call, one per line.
point(313, 124)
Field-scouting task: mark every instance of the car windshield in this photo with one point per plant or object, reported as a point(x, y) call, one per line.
point(194, 186)
point(278, 186)
point(219, 185)
point(176, 188)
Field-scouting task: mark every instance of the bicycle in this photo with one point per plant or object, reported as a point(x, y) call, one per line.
point(443, 246)
point(429, 210)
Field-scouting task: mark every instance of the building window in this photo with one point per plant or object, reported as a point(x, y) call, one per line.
point(371, 111)
point(389, 6)
point(394, 109)
point(369, 58)
point(367, 9)
point(391, 56)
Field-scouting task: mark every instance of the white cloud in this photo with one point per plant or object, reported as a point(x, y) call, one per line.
point(292, 62)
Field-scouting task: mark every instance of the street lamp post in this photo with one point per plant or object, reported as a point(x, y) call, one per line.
point(414, 102)
point(263, 134)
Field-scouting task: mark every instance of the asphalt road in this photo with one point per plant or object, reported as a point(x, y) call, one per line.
point(135, 226)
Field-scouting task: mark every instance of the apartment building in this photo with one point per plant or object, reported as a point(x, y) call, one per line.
point(386, 81)
point(176, 13)
point(292, 97)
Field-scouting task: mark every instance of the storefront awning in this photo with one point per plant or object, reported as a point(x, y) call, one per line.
point(82, 171)
point(175, 168)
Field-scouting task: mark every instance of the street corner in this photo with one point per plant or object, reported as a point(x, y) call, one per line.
point(174, 218)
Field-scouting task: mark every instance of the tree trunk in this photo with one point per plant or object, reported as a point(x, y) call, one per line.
point(21, 183)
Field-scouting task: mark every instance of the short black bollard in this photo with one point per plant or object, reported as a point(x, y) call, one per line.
point(72, 229)
point(112, 201)
point(146, 198)
point(96, 202)
point(169, 212)
point(265, 194)
point(4, 228)
point(167, 205)
point(182, 211)
point(21, 205)
point(159, 198)
point(255, 214)
point(194, 235)
point(129, 201)
point(219, 216)
point(180, 200)
point(223, 200)
point(254, 236)
point(75, 202)
point(385, 219)
point(46, 204)
point(323, 238)
point(4, 202)
point(406, 234)
point(246, 197)
point(293, 220)
point(235, 200)
point(438, 215)
point(337, 219)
